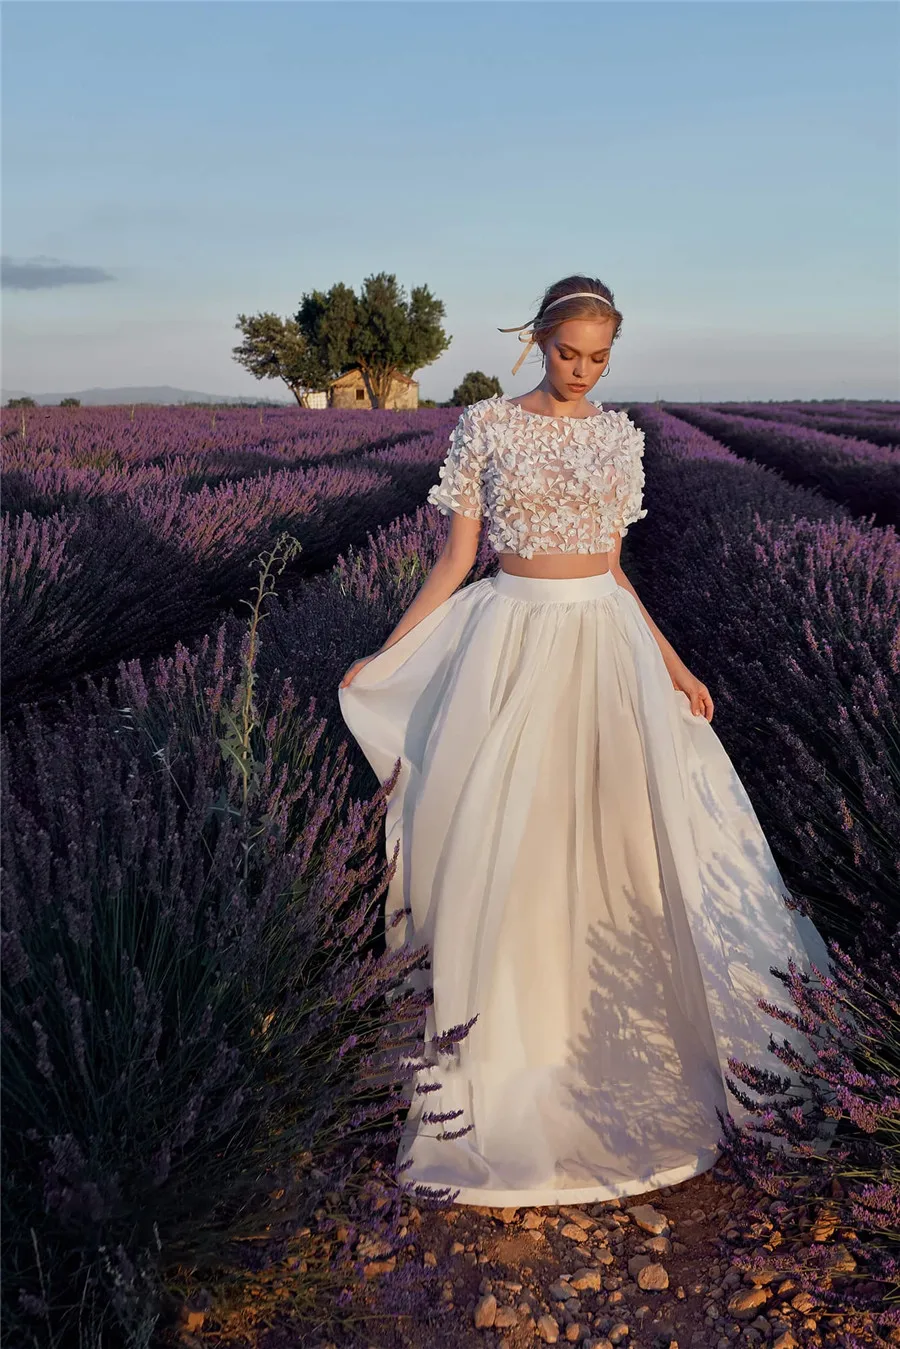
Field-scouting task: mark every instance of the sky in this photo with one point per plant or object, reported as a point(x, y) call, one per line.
point(730, 170)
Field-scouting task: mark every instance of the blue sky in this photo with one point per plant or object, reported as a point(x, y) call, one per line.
point(729, 169)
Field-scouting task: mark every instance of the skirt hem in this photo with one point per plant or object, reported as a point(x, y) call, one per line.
point(585, 1194)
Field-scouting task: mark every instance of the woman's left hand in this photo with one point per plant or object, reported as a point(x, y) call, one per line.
point(701, 700)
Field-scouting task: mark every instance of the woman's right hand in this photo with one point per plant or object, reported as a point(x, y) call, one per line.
point(355, 668)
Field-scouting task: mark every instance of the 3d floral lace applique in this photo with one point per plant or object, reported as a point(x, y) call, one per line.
point(545, 484)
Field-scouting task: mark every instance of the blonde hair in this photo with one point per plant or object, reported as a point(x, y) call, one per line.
point(555, 309)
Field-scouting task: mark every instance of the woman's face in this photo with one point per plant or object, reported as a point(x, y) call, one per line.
point(576, 356)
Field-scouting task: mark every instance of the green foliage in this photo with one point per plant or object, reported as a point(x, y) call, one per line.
point(473, 387)
point(275, 348)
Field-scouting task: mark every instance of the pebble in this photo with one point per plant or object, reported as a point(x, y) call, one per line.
point(547, 1328)
point(637, 1263)
point(803, 1302)
point(653, 1278)
point(649, 1219)
point(619, 1332)
point(584, 1279)
point(485, 1312)
point(785, 1341)
point(573, 1332)
point(505, 1318)
point(532, 1220)
point(573, 1232)
point(560, 1292)
point(658, 1245)
point(603, 1255)
point(744, 1304)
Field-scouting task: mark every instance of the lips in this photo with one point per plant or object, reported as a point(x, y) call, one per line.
point(577, 386)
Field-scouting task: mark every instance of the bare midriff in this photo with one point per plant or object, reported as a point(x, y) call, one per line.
point(555, 566)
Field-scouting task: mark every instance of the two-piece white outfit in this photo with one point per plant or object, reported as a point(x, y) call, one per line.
point(576, 848)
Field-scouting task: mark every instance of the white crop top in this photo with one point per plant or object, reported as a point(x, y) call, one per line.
point(546, 484)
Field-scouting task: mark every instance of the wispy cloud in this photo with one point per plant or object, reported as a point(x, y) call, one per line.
point(42, 273)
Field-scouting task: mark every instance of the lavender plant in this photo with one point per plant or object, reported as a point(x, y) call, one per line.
point(828, 1150)
point(197, 1037)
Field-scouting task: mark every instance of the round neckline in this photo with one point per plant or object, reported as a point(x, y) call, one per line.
point(548, 416)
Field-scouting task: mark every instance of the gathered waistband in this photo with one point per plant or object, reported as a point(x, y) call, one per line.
point(562, 588)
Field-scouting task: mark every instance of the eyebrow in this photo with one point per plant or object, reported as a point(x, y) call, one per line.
point(575, 349)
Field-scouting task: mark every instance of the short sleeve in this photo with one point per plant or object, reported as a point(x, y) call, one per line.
point(459, 488)
point(629, 507)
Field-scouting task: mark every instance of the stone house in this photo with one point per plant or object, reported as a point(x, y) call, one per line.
point(349, 391)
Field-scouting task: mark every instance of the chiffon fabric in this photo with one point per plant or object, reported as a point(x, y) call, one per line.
point(580, 857)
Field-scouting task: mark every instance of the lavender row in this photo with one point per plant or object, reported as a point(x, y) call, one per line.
point(788, 608)
point(862, 476)
point(138, 563)
point(879, 428)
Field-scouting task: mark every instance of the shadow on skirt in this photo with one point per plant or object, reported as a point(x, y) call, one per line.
point(587, 870)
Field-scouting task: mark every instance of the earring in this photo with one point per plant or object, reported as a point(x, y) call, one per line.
point(605, 373)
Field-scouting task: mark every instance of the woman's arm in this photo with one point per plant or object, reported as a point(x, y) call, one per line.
point(674, 663)
point(446, 576)
point(701, 699)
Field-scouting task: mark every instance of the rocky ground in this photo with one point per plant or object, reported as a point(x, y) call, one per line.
point(654, 1271)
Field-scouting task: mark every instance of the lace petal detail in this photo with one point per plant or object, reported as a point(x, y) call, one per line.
point(543, 484)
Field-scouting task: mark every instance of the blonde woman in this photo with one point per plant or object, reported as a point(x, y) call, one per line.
point(576, 849)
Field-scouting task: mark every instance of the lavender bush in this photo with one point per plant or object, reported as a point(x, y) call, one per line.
point(834, 1172)
point(196, 1039)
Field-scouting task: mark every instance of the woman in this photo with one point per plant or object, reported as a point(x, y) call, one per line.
point(576, 849)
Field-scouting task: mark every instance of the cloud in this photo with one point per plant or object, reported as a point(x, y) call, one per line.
point(42, 273)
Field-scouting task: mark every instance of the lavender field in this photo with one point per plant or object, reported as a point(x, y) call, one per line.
point(198, 1046)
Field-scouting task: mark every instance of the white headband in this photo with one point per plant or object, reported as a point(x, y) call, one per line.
point(526, 336)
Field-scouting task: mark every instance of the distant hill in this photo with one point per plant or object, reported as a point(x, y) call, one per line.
point(163, 394)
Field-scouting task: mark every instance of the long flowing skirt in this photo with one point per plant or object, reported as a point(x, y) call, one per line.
point(592, 882)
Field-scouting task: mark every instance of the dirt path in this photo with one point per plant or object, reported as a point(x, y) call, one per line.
point(654, 1271)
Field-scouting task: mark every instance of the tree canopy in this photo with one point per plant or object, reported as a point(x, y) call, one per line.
point(379, 332)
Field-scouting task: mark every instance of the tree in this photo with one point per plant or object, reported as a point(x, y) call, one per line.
point(275, 348)
point(379, 333)
point(25, 402)
point(70, 402)
point(473, 387)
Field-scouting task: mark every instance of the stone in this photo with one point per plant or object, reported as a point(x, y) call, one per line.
point(653, 1278)
point(456, 1247)
point(573, 1332)
point(785, 1341)
point(649, 1219)
point(375, 1267)
point(637, 1263)
point(824, 1226)
point(619, 1332)
point(485, 1312)
point(429, 1258)
point(603, 1255)
point(575, 1215)
point(841, 1262)
point(506, 1318)
point(587, 1279)
point(745, 1303)
point(658, 1246)
point(573, 1232)
point(803, 1302)
point(560, 1292)
point(532, 1220)
point(760, 1277)
point(547, 1328)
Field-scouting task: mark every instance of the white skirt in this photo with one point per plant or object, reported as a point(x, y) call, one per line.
point(583, 863)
